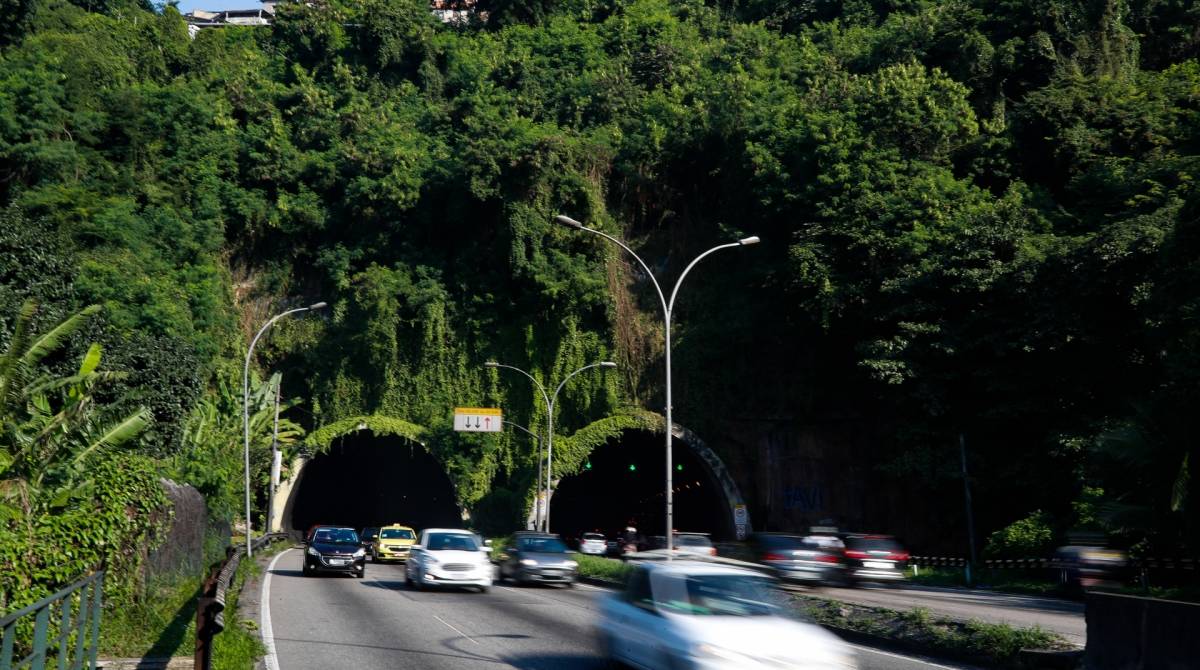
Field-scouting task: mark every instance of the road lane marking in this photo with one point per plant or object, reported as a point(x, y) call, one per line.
point(447, 624)
point(901, 656)
point(268, 633)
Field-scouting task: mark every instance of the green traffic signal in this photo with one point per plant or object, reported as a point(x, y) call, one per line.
point(679, 466)
point(587, 465)
point(632, 467)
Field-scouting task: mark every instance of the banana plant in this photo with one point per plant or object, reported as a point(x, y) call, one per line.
point(51, 426)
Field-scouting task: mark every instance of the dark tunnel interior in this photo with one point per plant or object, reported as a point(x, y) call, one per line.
point(364, 480)
point(625, 484)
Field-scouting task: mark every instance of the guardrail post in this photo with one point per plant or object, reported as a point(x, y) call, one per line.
point(39, 639)
point(97, 610)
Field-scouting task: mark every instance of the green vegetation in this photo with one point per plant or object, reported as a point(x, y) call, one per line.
point(979, 219)
point(994, 645)
point(600, 567)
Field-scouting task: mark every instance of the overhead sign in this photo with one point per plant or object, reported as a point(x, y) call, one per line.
point(478, 419)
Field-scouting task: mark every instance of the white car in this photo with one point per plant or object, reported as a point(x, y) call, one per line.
point(689, 614)
point(448, 557)
point(593, 544)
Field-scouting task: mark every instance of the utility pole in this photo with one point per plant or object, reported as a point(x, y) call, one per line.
point(962, 450)
point(276, 465)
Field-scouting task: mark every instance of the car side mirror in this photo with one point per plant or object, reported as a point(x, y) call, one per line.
point(487, 549)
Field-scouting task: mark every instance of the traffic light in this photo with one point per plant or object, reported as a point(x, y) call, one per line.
point(587, 465)
point(633, 467)
point(679, 466)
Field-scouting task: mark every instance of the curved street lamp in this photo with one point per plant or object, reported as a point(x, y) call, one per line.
point(246, 404)
point(668, 307)
point(550, 400)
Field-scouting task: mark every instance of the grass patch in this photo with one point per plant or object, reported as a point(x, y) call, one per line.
point(599, 567)
point(994, 644)
point(161, 623)
point(1024, 582)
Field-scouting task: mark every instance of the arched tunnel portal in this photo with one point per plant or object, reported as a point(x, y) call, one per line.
point(368, 479)
point(623, 483)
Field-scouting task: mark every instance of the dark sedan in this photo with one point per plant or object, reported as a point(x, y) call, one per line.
point(538, 557)
point(335, 549)
point(801, 559)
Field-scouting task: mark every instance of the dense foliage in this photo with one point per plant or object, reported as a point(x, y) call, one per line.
point(980, 219)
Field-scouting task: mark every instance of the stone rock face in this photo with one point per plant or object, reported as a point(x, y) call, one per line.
point(182, 549)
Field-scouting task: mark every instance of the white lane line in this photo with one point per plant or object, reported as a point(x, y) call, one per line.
point(589, 587)
point(901, 656)
point(455, 629)
point(268, 633)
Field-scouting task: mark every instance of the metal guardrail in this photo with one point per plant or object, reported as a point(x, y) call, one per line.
point(210, 607)
point(69, 638)
point(1035, 563)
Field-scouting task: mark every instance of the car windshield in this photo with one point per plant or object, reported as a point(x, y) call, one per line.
point(784, 542)
point(871, 544)
point(721, 595)
point(448, 542)
point(336, 536)
point(395, 534)
point(541, 545)
point(692, 541)
point(593, 536)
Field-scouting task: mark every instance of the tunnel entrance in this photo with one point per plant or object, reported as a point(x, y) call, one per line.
point(367, 480)
point(625, 485)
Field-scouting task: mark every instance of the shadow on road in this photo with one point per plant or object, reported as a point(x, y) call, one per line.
point(555, 662)
point(287, 572)
point(405, 650)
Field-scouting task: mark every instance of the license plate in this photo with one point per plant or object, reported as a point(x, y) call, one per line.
point(885, 565)
point(338, 561)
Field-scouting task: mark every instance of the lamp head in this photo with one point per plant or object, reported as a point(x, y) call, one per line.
point(318, 305)
point(568, 222)
point(753, 239)
point(491, 364)
point(607, 364)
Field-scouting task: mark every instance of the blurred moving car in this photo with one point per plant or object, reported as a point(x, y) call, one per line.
point(702, 616)
point(366, 537)
point(334, 549)
point(694, 543)
point(393, 544)
point(593, 544)
point(448, 557)
point(538, 557)
point(874, 558)
point(1088, 562)
point(800, 559)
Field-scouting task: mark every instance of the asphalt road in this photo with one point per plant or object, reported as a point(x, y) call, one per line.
point(376, 622)
point(1064, 617)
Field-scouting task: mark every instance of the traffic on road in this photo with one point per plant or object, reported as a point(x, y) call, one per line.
point(680, 614)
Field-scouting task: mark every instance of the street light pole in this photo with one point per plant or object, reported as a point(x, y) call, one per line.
point(537, 512)
point(543, 521)
point(246, 404)
point(668, 307)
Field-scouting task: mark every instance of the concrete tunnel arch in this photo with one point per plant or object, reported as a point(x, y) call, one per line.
point(367, 432)
point(736, 522)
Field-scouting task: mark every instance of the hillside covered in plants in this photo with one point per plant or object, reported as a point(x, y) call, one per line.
point(978, 218)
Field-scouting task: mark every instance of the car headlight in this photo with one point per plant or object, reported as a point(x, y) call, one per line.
point(571, 564)
point(360, 553)
point(312, 551)
point(528, 561)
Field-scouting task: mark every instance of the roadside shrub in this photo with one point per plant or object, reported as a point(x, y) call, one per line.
point(1026, 538)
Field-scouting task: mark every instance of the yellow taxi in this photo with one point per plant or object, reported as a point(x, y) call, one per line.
point(393, 543)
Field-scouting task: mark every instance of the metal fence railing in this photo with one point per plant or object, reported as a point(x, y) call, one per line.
point(64, 633)
point(210, 607)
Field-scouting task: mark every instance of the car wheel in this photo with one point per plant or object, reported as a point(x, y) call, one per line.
point(419, 582)
point(361, 573)
point(305, 570)
point(484, 589)
point(571, 584)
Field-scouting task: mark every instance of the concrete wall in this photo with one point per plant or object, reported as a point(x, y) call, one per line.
point(1143, 633)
